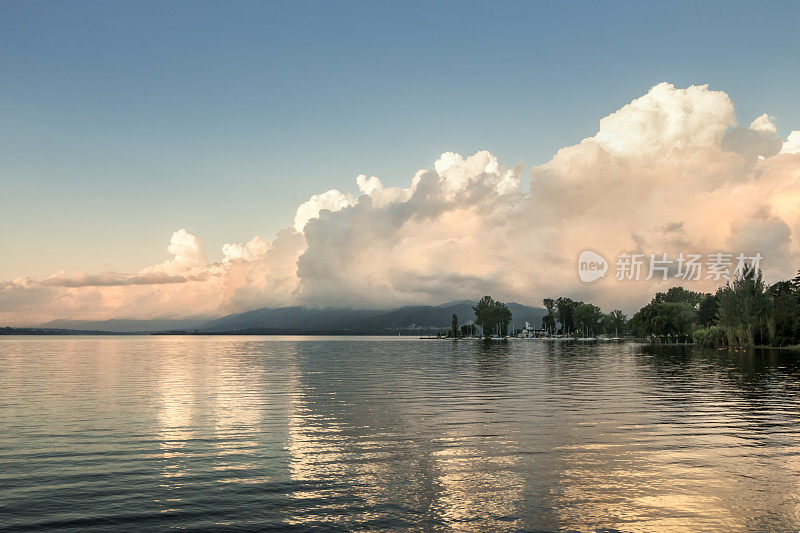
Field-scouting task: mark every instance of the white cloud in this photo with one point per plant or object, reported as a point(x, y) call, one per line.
point(666, 120)
point(332, 200)
point(187, 254)
point(370, 185)
point(252, 250)
point(792, 144)
point(668, 173)
point(764, 123)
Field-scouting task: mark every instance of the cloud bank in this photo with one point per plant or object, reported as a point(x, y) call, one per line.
point(670, 172)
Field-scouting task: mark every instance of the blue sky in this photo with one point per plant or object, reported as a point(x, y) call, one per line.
point(122, 122)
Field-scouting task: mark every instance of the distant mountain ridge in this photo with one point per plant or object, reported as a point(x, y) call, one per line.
point(303, 320)
point(408, 319)
point(123, 325)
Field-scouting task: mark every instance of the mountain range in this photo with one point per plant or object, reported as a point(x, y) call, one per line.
point(305, 320)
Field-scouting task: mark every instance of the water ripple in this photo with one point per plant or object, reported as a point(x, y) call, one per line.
point(281, 433)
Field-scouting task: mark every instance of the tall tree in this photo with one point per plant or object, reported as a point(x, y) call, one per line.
point(744, 309)
point(549, 323)
point(565, 312)
point(785, 322)
point(588, 318)
point(615, 322)
point(492, 316)
point(454, 325)
point(549, 320)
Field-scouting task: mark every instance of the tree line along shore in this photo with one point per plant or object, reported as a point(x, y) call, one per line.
point(742, 313)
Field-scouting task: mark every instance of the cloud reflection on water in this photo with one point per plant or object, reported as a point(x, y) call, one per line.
point(392, 434)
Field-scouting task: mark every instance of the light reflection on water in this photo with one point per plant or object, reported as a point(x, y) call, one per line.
point(289, 433)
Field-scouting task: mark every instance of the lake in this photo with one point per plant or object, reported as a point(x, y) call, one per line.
point(240, 433)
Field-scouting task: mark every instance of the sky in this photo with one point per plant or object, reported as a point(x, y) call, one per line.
point(126, 123)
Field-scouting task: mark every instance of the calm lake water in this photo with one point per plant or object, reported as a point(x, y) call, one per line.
point(291, 433)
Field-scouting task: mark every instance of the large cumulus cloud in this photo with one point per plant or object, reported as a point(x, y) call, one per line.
point(670, 172)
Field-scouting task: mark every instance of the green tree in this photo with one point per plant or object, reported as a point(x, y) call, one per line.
point(744, 310)
point(565, 312)
point(673, 319)
point(454, 326)
point(588, 318)
point(492, 316)
point(675, 312)
point(549, 320)
point(615, 322)
point(664, 318)
point(679, 295)
point(707, 311)
point(785, 322)
point(781, 288)
point(549, 323)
